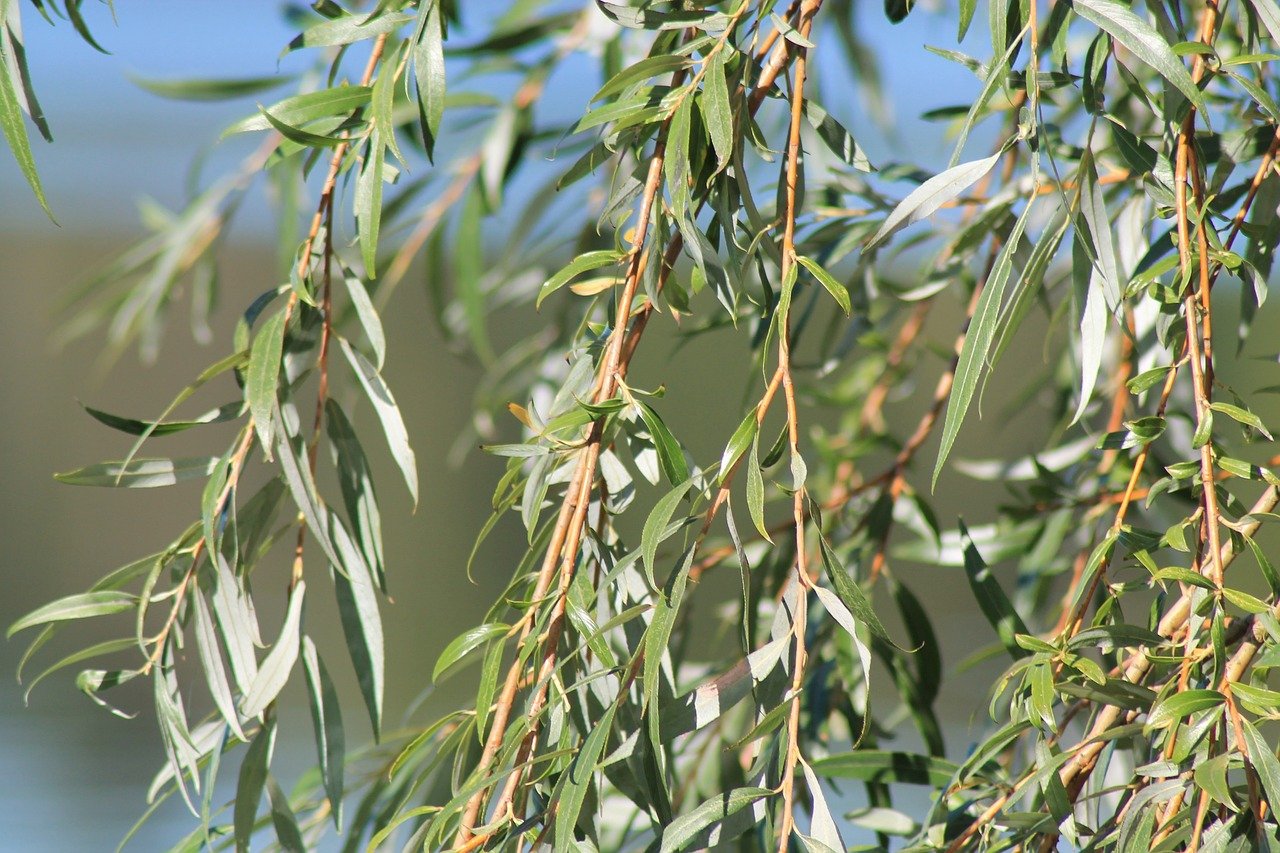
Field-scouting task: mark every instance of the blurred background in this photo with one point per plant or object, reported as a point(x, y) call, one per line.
point(76, 776)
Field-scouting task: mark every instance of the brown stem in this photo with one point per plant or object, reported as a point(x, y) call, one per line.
point(800, 616)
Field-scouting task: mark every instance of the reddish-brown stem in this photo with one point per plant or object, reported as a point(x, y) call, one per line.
point(800, 615)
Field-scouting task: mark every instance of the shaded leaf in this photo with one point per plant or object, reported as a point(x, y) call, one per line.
point(140, 473)
point(388, 413)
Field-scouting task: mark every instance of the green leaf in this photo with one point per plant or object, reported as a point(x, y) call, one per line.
point(583, 263)
point(83, 605)
point(879, 766)
point(252, 779)
point(656, 525)
point(465, 643)
point(836, 136)
point(263, 377)
point(1241, 416)
point(755, 491)
point(1142, 40)
point(297, 475)
point(209, 89)
point(296, 134)
point(1211, 777)
point(1257, 700)
point(720, 819)
point(967, 8)
point(577, 779)
point(742, 438)
point(383, 102)
point(326, 717)
point(368, 201)
point(717, 110)
point(977, 342)
point(429, 73)
point(925, 199)
point(835, 288)
point(15, 132)
point(388, 413)
point(1269, 13)
point(850, 593)
point(140, 473)
point(132, 426)
point(670, 455)
point(104, 648)
point(709, 701)
point(297, 110)
point(283, 819)
point(348, 29)
point(211, 661)
point(369, 319)
point(650, 66)
point(233, 611)
point(995, 605)
point(1262, 756)
point(278, 664)
point(355, 478)
point(362, 628)
point(1181, 705)
point(1246, 602)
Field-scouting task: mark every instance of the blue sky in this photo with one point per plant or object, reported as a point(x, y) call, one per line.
point(114, 142)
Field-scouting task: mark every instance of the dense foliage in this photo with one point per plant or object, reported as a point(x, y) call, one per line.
point(1129, 196)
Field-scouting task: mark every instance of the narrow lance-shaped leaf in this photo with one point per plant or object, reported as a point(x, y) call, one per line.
point(925, 199)
point(279, 662)
point(297, 475)
point(576, 267)
point(837, 290)
point(995, 605)
point(263, 377)
point(1093, 329)
point(15, 132)
point(349, 28)
point(326, 717)
point(464, 644)
point(361, 622)
point(369, 319)
point(133, 426)
point(81, 606)
point(1141, 38)
point(300, 109)
point(233, 611)
point(719, 819)
point(717, 109)
point(837, 138)
point(253, 776)
point(140, 473)
point(104, 648)
point(656, 525)
point(209, 89)
point(670, 454)
point(283, 820)
point(368, 201)
point(388, 413)
point(358, 493)
point(429, 73)
point(578, 779)
point(977, 342)
point(211, 661)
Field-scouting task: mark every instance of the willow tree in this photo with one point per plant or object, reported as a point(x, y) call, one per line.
point(708, 187)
